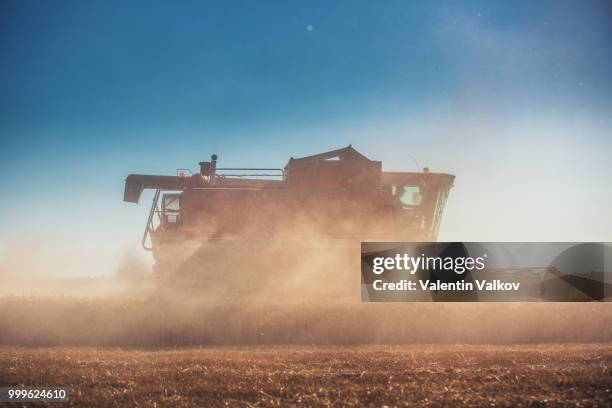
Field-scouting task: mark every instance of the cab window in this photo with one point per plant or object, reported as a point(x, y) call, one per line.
point(407, 195)
point(171, 210)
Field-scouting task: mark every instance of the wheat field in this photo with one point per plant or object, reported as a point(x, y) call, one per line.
point(573, 375)
point(157, 352)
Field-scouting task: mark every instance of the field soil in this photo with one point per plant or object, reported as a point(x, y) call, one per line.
point(528, 375)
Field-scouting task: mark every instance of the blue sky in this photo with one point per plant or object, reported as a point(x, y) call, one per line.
point(513, 97)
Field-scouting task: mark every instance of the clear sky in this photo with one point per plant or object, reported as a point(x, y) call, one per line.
point(515, 98)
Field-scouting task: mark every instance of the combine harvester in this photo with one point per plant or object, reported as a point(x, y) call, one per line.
point(247, 229)
point(296, 232)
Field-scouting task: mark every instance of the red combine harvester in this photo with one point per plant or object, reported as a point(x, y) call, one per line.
point(206, 226)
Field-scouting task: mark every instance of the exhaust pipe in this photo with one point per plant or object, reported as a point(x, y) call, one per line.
point(208, 169)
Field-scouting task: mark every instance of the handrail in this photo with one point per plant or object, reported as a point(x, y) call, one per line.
point(248, 175)
point(281, 172)
point(149, 226)
point(248, 168)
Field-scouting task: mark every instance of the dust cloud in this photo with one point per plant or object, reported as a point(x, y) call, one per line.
point(273, 291)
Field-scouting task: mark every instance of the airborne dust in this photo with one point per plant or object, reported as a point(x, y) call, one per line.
point(277, 290)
